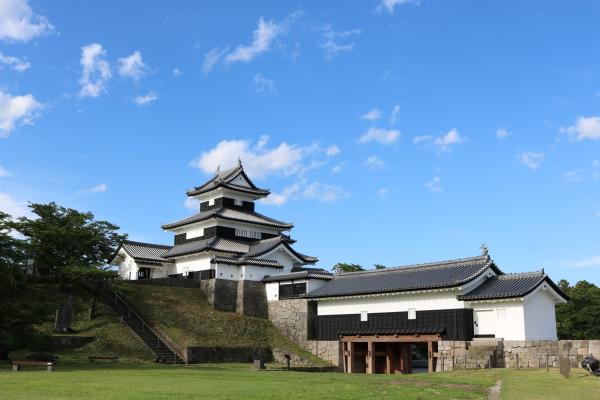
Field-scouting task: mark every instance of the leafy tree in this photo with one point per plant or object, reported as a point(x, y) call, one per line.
point(580, 317)
point(344, 267)
point(16, 314)
point(60, 237)
point(380, 266)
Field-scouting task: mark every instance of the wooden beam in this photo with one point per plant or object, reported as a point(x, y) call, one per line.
point(389, 359)
point(392, 338)
point(350, 357)
point(371, 358)
point(430, 356)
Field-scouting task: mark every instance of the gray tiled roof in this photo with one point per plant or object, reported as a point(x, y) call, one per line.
point(230, 214)
point(509, 286)
point(246, 261)
point(305, 274)
point(264, 246)
point(224, 178)
point(145, 252)
point(443, 274)
point(216, 244)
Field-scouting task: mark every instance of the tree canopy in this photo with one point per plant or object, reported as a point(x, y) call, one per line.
point(60, 237)
point(580, 317)
point(345, 267)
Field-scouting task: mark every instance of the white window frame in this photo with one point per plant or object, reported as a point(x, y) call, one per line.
point(364, 316)
point(412, 313)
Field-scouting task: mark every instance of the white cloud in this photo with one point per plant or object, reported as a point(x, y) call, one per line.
point(96, 71)
point(390, 5)
point(383, 192)
point(590, 262)
point(19, 23)
point(372, 115)
point(584, 128)
point(177, 72)
point(133, 66)
point(17, 110)
point(332, 45)
point(531, 159)
point(336, 168)
point(212, 58)
point(596, 163)
point(259, 161)
point(332, 150)
point(3, 172)
point(502, 133)
point(420, 139)
point(374, 162)
point(99, 188)
point(395, 114)
point(264, 84)
point(15, 63)
point(12, 206)
point(145, 99)
point(323, 192)
point(444, 143)
point(192, 203)
point(597, 213)
point(573, 176)
point(383, 136)
point(277, 199)
point(434, 185)
point(262, 38)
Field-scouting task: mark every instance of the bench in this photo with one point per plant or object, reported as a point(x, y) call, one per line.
point(103, 358)
point(17, 364)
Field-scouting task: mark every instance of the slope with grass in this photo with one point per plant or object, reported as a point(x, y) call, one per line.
point(188, 319)
point(111, 337)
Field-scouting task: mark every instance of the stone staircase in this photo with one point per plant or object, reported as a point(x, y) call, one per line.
point(164, 351)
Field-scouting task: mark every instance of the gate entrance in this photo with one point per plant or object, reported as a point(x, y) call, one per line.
point(385, 354)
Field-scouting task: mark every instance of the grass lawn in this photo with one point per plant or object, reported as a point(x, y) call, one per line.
point(77, 379)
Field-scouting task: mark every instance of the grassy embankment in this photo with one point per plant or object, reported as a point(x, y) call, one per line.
point(186, 316)
point(111, 336)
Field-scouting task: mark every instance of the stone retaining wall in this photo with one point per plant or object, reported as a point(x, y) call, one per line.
point(507, 354)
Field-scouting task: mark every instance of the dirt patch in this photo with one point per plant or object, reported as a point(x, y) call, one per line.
point(494, 391)
point(433, 384)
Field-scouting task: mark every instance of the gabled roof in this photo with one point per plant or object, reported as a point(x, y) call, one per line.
point(436, 275)
point(261, 247)
point(215, 244)
point(230, 214)
point(224, 179)
point(306, 273)
point(243, 250)
point(148, 253)
point(510, 286)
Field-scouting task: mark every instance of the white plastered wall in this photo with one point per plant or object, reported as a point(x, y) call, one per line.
point(540, 317)
point(503, 319)
point(192, 263)
point(430, 300)
point(128, 269)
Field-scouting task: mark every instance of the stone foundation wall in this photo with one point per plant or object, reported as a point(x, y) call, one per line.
point(221, 293)
point(251, 299)
point(295, 318)
point(506, 354)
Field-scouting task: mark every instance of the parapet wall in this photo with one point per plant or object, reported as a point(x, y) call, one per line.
point(512, 354)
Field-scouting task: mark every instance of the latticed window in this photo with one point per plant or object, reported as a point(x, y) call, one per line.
point(287, 291)
point(248, 234)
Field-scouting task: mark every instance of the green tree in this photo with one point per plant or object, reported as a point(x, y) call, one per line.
point(580, 317)
point(60, 237)
point(380, 266)
point(16, 314)
point(345, 267)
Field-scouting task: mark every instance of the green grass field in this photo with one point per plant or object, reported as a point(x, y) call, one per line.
point(79, 379)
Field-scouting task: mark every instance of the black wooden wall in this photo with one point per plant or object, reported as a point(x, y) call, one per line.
point(457, 324)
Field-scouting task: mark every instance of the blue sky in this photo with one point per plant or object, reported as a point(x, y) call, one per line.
point(389, 132)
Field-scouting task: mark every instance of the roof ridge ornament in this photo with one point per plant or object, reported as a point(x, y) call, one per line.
point(484, 250)
point(239, 161)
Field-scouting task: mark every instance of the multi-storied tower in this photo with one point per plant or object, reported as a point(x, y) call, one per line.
point(227, 238)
